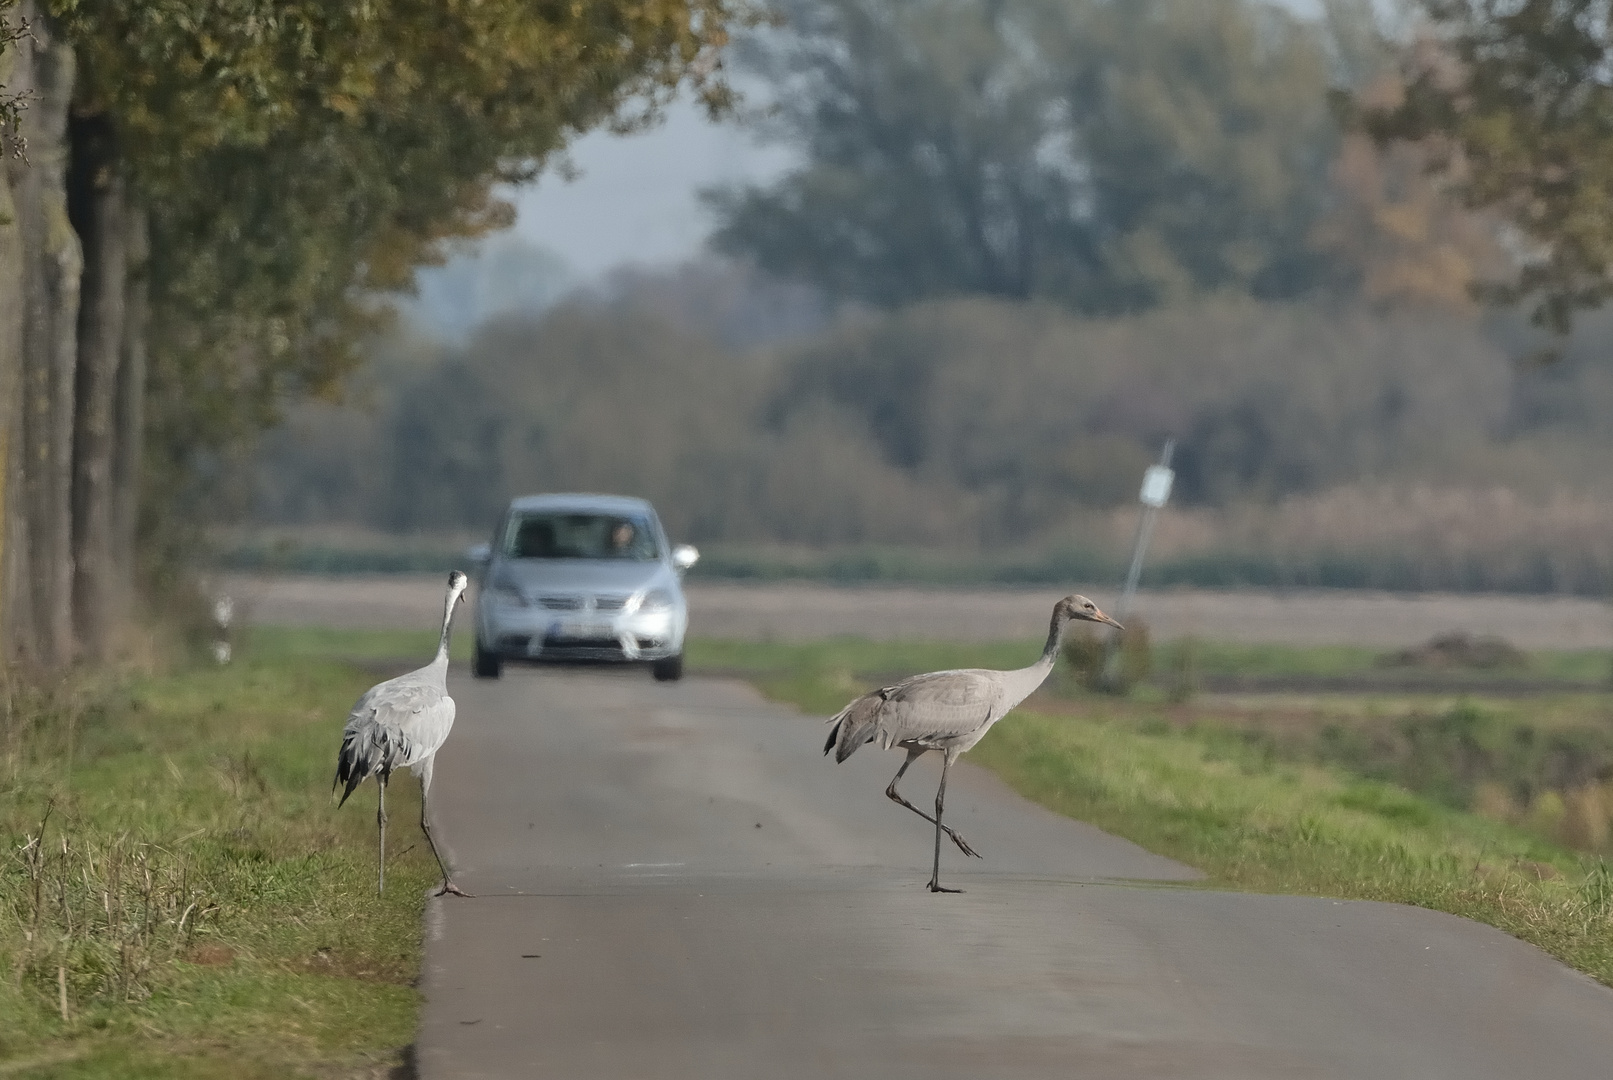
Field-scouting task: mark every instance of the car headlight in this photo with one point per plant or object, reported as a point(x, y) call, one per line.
point(508, 595)
point(656, 600)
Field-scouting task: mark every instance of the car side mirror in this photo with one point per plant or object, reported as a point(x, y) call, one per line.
point(479, 555)
point(684, 556)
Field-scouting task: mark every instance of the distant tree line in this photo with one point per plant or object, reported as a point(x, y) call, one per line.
point(1024, 241)
point(1027, 240)
point(197, 198)
point(962, 423)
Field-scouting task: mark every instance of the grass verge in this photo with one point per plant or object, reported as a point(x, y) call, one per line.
point(269, 644)
point(1211, 786)
point(179, 897)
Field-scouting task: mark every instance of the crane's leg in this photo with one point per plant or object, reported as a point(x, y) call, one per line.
point(380, 824)
point(895, 796)
point(940, 800)
point(448, 885)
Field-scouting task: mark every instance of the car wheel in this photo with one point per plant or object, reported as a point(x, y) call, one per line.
point(488, 664)
point(669, 670)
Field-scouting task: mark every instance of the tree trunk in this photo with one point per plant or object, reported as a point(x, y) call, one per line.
point(97, 203)
point(16, 73)
point(52, 267)
point(131, 411)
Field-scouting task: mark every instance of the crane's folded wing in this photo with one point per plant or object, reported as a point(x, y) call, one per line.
point(941, 704)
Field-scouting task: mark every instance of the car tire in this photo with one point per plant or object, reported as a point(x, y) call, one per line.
point(488, 664)
point(668, 670)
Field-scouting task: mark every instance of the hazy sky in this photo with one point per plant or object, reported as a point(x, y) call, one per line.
point(637, 198)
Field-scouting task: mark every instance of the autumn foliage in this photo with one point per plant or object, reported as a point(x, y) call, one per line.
point(210, 189)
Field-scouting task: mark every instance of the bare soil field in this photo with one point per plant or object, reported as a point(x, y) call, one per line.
point(803, 612)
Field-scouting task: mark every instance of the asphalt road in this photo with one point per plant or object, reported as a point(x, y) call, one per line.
point(673, 883)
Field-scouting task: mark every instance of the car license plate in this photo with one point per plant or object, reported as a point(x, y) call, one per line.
point(584, 630)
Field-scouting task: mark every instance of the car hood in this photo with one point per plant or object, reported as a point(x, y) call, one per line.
point(561, 576)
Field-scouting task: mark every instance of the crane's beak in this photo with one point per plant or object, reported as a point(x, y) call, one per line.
point(1101, 617)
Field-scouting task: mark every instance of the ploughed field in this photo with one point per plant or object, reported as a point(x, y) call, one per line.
point(806, 612)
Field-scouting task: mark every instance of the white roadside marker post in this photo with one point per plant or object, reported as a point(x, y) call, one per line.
point(223, 615)
point(1156, 491)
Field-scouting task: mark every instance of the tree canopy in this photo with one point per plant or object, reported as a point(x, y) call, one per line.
point(1514, 100)
point(1110, 156)
point(223, 188)
point(294, 150)
point(297, 157)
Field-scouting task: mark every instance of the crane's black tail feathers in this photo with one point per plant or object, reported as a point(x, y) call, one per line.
point(834, 732)
point(362, 753)
point(855, 725)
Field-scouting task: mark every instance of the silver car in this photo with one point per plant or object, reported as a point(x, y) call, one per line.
point(581, 578)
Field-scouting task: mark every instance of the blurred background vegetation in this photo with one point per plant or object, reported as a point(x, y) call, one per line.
point(1024, 243)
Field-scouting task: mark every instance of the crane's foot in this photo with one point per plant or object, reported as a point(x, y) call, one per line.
point(936, 886)
point(963, 845)
point(449, 887)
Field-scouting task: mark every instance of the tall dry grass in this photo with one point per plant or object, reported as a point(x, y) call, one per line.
point(1401, 536)
point(99, 913)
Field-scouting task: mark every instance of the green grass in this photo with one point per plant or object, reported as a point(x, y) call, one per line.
point(1338, 661)
point(210, 910)
point(1251, 797)
point(275, 643)
point(862, 655)
point(1574, 665)
point(1208, 658)
point(1231, 658)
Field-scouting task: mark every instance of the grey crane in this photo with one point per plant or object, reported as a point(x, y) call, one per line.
point(948, 711)
point(403, 722)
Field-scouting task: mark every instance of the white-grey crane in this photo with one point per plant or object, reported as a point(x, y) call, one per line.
point(403, 722)
point(948, 711)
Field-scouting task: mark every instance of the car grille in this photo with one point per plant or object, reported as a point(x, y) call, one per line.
point(578, 603)
point(560, 648)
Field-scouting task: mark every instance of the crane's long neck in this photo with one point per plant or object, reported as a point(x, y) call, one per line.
point(1019, 685)
point(1055, 638)
point(447, 625)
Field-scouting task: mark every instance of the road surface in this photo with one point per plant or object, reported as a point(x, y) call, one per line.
point(673, 883)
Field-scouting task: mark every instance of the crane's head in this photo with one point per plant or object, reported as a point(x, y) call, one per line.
point(1079, 608)
point(457, 583)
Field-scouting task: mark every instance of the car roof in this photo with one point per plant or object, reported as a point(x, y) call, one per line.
point(584, 501)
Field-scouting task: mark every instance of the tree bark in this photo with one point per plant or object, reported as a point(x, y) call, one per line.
point(16, 73)
point(97, 203)
point(52, 266)
point(131, 411)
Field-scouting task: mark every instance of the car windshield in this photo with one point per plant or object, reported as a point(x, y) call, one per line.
point(562, 535)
